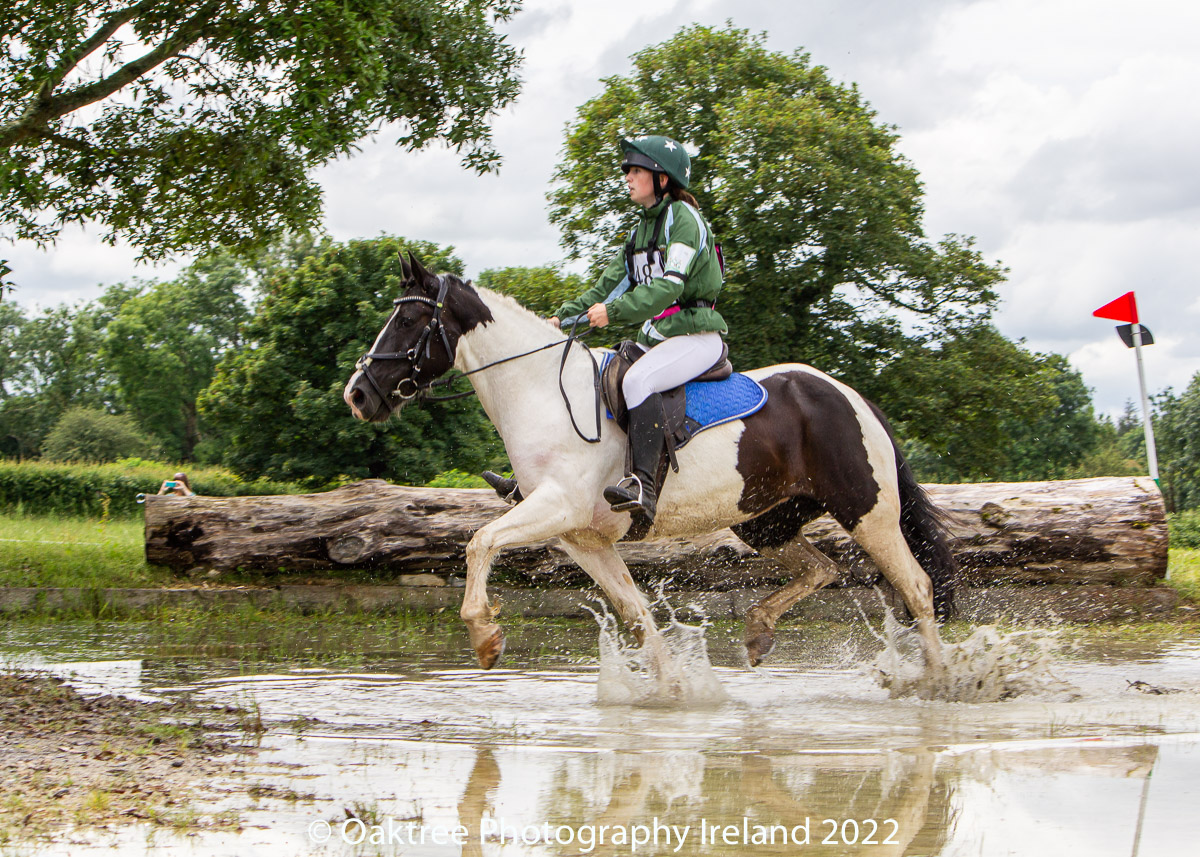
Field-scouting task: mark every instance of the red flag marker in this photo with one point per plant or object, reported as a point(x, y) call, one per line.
point(1123, 308)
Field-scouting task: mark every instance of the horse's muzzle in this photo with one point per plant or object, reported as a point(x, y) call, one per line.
point(365, 403)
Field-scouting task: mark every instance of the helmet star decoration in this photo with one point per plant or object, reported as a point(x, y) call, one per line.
point(670, 146)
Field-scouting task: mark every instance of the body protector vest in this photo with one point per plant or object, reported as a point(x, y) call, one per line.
point(643, 264)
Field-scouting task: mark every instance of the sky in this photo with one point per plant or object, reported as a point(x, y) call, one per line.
point(1061, 134)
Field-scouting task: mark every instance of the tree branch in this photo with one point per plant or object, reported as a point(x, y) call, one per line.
point(47, 109)
point(115, 22)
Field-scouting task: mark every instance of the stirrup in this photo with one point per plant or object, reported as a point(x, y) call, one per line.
point(507, 489)
point(621, 497)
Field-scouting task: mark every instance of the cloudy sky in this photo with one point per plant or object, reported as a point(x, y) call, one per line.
point(1062, 134)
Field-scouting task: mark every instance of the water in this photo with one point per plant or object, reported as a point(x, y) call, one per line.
point(523, 760)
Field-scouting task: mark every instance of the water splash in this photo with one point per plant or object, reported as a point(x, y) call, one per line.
point(988, 666)
point(670, 670)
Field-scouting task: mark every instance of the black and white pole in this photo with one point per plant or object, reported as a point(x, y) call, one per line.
point(1139, 334)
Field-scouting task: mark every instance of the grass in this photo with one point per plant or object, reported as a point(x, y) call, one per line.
point(1184, 569)
point(57, 551)
point(48, 551)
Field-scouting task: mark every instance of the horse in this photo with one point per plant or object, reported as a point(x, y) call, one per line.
point(815, 446)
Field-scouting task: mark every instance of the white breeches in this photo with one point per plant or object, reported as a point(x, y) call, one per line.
point(672, 362)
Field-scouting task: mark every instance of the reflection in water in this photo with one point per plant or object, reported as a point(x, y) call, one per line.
point(527, 763)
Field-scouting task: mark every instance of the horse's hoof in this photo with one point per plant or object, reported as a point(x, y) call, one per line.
point(759, 647)
point(489, 653)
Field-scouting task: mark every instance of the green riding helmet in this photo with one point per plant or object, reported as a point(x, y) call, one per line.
point(659, 155)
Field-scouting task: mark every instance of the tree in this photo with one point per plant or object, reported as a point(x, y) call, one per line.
point(194, 123)
point(163, 345)
point(1054, 445)
point(90, 434)
point(819, 216)
point(1177, 438)
point(542, 290)
point(275, 404)
point(957, 403)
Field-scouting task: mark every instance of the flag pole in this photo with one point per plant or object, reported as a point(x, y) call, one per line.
point(1151, 452)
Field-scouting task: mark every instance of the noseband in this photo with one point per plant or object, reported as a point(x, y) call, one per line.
point(416, 355)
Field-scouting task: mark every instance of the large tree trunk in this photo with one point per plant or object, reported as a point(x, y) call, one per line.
point(1110, 530)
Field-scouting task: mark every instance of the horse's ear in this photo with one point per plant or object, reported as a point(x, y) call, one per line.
point(405, 270)
point(418, 271)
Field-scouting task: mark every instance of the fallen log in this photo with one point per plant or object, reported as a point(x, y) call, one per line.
point(1109, 530)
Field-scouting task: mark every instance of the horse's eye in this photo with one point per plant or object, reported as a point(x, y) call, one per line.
point(405, 321)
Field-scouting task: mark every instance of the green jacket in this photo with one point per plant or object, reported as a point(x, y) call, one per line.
point(692, 273)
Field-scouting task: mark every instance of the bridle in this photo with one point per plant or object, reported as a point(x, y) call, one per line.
point(421, 350)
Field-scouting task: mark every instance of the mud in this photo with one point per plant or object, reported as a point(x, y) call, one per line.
point(68, 760)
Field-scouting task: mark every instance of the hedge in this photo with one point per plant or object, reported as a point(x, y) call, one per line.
point(97, 490)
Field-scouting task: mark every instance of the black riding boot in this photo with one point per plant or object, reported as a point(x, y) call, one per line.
point(640, 490)
point(507, 489)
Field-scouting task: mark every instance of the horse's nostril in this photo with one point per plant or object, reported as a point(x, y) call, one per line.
point(357, 397)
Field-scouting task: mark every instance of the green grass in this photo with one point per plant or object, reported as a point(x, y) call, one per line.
point(48, 551)
point(1184, 568)
point(52, 551)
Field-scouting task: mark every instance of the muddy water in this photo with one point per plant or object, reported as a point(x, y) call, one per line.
point(807, 756)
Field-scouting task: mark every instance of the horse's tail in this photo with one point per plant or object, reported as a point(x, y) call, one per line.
point(925, 529)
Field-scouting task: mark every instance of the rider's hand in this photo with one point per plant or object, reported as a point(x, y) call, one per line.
point(554, 321)
point(598, 315)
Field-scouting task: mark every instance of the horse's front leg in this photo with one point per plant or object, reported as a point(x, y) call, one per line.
point(604, 565)
point(545, 513)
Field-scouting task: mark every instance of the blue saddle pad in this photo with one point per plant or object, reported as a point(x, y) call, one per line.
point(713, 403)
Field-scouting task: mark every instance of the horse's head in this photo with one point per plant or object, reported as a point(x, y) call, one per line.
point(417, 343)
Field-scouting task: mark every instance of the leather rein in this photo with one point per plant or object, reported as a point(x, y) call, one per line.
point(421, 350)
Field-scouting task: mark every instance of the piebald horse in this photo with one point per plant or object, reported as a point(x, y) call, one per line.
point(816, 446)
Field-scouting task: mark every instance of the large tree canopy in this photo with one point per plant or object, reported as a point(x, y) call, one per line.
point(819, 215)
point(186, 124)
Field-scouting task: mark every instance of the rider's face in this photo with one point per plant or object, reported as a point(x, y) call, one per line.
point(640, 182)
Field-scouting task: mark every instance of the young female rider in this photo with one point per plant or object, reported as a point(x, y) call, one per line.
point(667, 281)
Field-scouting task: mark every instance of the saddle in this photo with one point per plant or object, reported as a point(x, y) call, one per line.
point(677, 426)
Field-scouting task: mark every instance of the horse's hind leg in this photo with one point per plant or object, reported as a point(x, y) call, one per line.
point(811, 570)
point(879, 535)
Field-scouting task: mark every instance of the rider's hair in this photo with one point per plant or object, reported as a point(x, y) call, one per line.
point(680, 195)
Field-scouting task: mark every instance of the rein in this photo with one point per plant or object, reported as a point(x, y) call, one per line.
point(421, 350)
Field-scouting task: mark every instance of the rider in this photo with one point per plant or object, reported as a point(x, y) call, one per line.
point(666, 280)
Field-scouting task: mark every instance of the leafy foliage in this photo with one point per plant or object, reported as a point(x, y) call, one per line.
point(187, 124)
point(90, 434)
point(1177, 437)
point(178, 331)
point(276, 405)
point(542, 290)
point(1185, 529)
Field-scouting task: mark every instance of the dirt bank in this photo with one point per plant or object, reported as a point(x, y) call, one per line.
point(70, 762)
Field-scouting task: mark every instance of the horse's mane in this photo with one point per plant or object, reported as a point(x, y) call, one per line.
point(496, 299)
